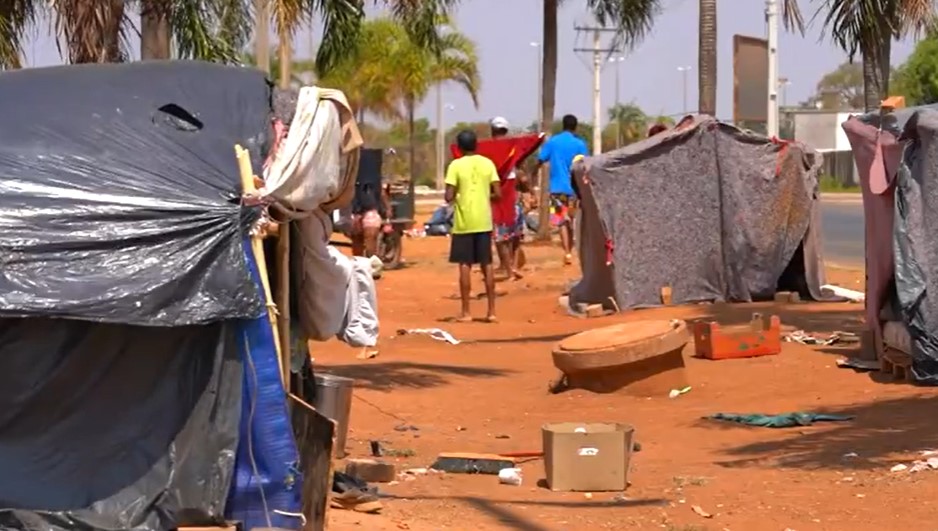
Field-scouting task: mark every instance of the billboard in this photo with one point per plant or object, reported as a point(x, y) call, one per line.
point(750, 79)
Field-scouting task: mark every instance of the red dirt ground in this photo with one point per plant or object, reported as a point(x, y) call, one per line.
point(469, 397)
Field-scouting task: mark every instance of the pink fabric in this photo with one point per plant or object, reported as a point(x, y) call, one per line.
point(877, 155)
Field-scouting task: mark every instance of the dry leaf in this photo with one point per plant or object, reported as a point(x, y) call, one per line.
point(697, 509)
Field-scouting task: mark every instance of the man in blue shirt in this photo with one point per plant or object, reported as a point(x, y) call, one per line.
point(558, 152)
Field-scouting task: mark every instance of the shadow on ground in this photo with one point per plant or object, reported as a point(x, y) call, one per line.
point(879, 432)
point(396, 374)
point(510, 519)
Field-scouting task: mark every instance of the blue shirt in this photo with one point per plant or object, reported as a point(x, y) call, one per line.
point(559, 152)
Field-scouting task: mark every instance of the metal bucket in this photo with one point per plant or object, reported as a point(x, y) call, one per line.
point(334, 400)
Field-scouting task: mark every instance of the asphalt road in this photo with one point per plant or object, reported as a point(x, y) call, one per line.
point(842, 230)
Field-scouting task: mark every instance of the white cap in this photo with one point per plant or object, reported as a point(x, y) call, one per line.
point(499, 123)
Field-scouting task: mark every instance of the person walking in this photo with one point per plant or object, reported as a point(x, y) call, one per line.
point(558, 153)
point(471, 185)
point(508, 230)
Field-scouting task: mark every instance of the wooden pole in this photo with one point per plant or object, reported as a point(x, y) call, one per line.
point(257, 247)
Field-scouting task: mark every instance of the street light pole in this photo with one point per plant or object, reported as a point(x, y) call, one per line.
point(684, 70)
point(783, 83)
point(540, 87)
point(771, 22)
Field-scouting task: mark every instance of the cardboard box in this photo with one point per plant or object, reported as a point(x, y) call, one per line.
point(587, 457)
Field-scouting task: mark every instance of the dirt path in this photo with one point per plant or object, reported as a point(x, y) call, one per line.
point(489, 394)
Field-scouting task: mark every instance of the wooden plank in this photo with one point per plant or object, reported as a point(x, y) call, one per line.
point(315, 439)
point(257, 248)
point(282, 263)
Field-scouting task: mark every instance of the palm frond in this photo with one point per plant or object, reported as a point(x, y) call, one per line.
point(210, 30)
point(792, 18)
point(15, 17)
point(92, 32)
point(422, 19)
point(859, 26)
point(632, 19)
point(342, 22)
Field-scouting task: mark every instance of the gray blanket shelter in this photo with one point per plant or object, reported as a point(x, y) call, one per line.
point(714, 212)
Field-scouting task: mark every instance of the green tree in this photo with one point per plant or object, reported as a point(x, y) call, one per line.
point(917, 78)
point(216, 30)
point(399, 74)
point(867, 28)
point(627, 123)
point(369, 81)
point(846, 81)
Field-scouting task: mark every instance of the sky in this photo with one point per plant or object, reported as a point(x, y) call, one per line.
point(504, 30)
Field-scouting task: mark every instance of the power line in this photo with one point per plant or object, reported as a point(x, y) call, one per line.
point(597, 50)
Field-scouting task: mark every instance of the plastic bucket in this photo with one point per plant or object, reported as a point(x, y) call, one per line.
point(334, 400)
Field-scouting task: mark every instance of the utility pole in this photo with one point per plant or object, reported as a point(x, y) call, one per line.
point(262, 35)
point(771, 22)
point(597, 96)
point(597, 52)
point(684, 70)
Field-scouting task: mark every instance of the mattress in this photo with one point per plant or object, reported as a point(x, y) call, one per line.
point(896, 336)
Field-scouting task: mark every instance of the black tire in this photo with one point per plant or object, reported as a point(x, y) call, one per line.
point(390, 249)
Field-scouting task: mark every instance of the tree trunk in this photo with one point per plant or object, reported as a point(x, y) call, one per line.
point(286, 60)
point(262, 35)
point(91, 31)
point(154, 30)
point(876, 77)
point(707, 58)
point(412, 147)
point(548, 95)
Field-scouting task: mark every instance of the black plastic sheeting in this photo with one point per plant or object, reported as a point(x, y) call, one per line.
point(122, 282)
point(116, 427)
point(120, 191)
point(915, 247)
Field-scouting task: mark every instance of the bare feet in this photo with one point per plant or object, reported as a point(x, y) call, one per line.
point(516, 276)
point(568, 259)
point(490, 319)
point(463, 319)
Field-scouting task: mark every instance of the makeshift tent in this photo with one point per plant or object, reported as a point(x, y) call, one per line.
point(714, 212)
point(139, 376)
point(897, 155)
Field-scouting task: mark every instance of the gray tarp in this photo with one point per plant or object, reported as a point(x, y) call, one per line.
point(712, 211)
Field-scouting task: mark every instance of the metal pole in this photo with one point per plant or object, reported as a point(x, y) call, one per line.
point(439, 136)
point(684, 70)
point(771, 21)
point(597, 99)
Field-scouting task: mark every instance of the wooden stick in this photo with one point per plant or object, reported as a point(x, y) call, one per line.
point(257, 247)
point(282, 260)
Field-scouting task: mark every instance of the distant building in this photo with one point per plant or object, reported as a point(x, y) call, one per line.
point(820, 129)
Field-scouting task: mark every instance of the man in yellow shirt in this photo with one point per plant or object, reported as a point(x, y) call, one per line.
point(472, 183)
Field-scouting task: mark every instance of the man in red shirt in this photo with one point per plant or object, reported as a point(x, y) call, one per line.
point(509, 224)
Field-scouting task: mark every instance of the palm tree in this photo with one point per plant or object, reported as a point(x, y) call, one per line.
point(632, 19)
point(707, 57)
point(366, 77)
point(15, 17)
point(867, 28)
point(628, 121)
point(389, 72)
